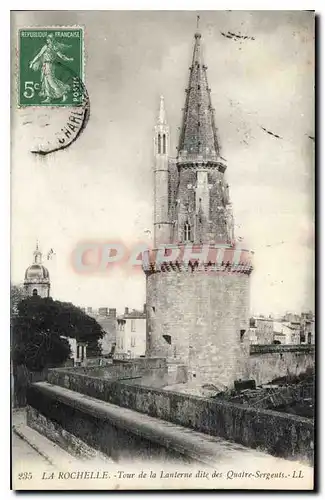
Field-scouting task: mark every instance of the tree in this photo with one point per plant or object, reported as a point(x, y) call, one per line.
point(16, 295)
point(39, 326)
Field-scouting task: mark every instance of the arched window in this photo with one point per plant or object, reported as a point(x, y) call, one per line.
point(35, 292)
point(187, 232)
point(164, 144)
point(159, 144)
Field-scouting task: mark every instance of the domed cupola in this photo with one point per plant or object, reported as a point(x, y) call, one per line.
point(37, 277)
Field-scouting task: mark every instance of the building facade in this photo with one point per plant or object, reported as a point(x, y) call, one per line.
point(78, 351)
point(197, 313)
point(284, 333)
point(106, 317)
point(131, 334)
point(307, 328)
point(291, 329)
point(261, 329)
point(37, 277)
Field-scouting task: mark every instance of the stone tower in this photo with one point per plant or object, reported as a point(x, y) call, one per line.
point(198, 287)
point(37, 278)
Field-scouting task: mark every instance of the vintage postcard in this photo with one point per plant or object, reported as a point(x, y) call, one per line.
point(162, 246)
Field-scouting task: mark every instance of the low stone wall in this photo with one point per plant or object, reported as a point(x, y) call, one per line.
point(152, 372)
point(69, 421)
point(278, 434)
point(138, 367)
point(267, 362)
point(281, 348)
point(60, 436)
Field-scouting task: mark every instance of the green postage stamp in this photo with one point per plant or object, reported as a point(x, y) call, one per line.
point(51, 66)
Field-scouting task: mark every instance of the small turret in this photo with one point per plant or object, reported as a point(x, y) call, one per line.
point(161, 151)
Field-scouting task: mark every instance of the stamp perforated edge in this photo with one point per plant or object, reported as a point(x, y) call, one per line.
point(17, 65)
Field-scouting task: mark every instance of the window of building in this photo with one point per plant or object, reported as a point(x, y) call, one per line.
point(164, 144)
point(159, 144)
point(132, 341)
point(242, 333)
point(133, 329)
point(187, 232)
point(309, 337)
point(35, 292)
point(78, 351)
point(122, 344)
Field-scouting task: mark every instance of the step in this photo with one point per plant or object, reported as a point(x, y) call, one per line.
point(51, 452)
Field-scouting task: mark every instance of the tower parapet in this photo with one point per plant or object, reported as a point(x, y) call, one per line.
point(198, 258)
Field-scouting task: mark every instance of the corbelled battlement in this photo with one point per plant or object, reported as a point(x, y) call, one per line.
point(196, 266)
point(198, 258)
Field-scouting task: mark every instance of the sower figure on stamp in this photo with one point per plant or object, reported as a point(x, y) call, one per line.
point(51, 87)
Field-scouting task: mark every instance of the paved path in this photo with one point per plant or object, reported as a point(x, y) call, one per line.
point(23, 453)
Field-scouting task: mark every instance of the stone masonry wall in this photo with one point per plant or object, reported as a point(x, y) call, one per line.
point(276, 433)
point(215, 228)
point(203, 314)
point(268, 362)
point(68, 426)
point(139, 367)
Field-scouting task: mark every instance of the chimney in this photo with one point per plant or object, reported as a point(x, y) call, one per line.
point(112, 313)
point(126, 310)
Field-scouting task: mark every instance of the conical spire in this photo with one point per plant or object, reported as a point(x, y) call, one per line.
point(198, 132)
point(162, 113)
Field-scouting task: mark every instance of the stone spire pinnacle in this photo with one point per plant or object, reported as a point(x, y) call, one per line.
point(37, 254)
point(197, 23)
point(162, 113)
point(198, 135)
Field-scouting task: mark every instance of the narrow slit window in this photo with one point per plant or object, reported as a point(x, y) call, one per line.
point(164, 144)
point(187, 232)
point(159, 144)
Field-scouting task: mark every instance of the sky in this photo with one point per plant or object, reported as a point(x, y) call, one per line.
point(101, 187)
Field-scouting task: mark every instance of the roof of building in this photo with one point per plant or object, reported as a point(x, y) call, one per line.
point(37, 271)
point(281, 328)
point(198, 131)
point(133, 315)
point(262, 318)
